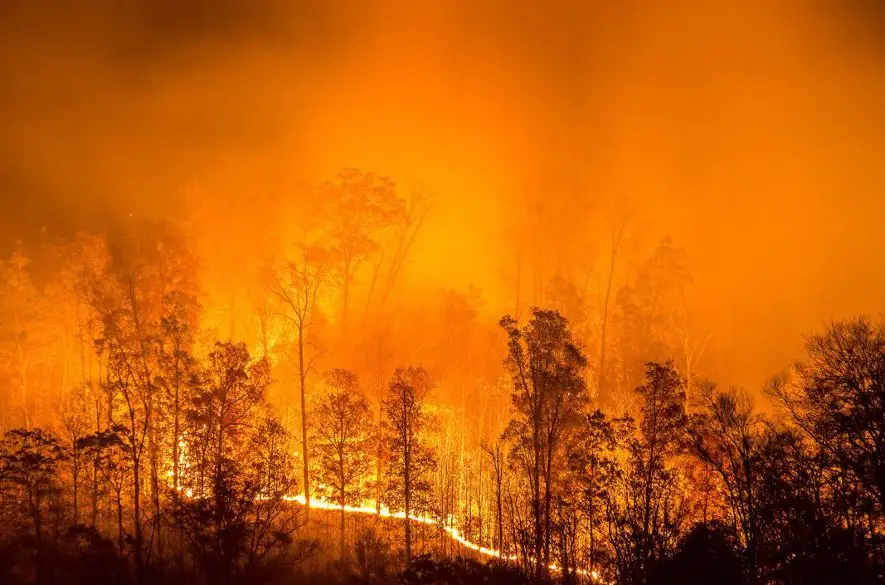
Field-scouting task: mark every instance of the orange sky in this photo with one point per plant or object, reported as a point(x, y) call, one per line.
point(752, 132)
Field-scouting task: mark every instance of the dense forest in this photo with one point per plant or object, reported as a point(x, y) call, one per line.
point(442, 292)
point(176, 409)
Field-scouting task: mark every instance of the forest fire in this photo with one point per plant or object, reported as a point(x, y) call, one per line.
point(384, 512)
point(442, 293)
point(448, 527)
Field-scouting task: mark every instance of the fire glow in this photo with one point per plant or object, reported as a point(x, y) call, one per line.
point(452, 531)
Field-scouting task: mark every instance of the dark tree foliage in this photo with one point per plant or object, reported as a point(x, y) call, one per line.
point(549, 396)
point(647, 508)
point(411, 459)
point(707, 554)
point(593, 461)
point(237, 520)
point(110, 467)
point(344, 429)
point(837, 397)
point(730, 438)
point(424, 570)
point(29, 469)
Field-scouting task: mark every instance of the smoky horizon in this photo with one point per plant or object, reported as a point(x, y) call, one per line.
point(749, 136)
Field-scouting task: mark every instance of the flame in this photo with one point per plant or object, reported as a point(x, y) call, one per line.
point(385, 512)
point(453, 532)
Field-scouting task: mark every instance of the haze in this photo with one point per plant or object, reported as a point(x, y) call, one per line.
point(752, 134)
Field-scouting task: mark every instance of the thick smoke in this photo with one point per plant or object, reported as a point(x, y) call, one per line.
point(752, 135)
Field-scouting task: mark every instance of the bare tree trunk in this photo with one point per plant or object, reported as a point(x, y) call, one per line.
point(155, 496)
point(407, 500)
point(76, 474)
point(120, 522)
point(378, 465)
point(94, 518)
point(34, 505)
point(95, 462)
point(153, 446)
point(176, 420)
point(136, 493)
point(25, 398)
point(407, 463)
point(345, 296)
point(417, 215)
point(343, 546)
point(536, 506)
point(305, 456)
point(376, 271)
point(136, 503)
point(601, 382)
point(262, 318)
point(500, 506)
point(217, 483)
point(547, 502)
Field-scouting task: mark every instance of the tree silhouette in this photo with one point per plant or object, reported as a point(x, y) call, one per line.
point(297, 285)
point(357, 206)
point(237, 516)
point(549, 396)
point(593, 459)
point(837, 396)
point(107, 450)
point(343, 429)
point(410, 458)
point(707, 554)
point(30, 462)
point(646, 509)
point(729, 437)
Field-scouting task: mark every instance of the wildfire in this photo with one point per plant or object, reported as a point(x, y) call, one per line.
point(453, 532)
